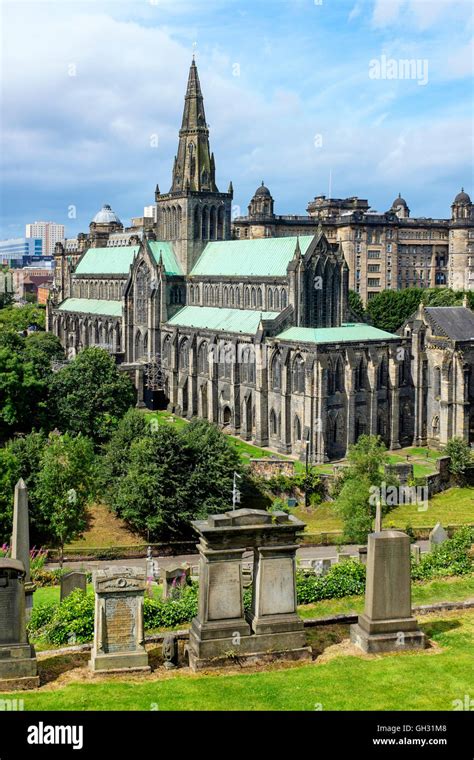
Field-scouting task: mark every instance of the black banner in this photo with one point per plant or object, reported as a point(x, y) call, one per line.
point(127, 734)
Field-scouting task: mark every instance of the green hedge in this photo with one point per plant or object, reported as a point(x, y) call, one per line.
point(343, 579)
point(449, 558)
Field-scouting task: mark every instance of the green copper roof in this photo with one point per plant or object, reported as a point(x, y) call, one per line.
point(170, 262)
point(92, 306)
point(265, 257)
point(107, 260)
point(117, 260)
point(227, 320)
point(343, 334)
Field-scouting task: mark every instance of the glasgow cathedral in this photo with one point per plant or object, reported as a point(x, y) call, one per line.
point(255, 333)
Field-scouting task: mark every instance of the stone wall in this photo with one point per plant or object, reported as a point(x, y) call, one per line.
point(269, 468)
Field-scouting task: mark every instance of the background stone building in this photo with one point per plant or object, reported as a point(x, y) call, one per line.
point(384, 251)
point(251, 331)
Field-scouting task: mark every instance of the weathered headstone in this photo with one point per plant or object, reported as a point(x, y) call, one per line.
point(18, 666)
point(387, 623)
point(170, 651)
point(344, 557)
point(118, 624)
point(272, 628)
point(21, 540)
point(321, 566)
point(416, 552)
point(70, 582)
point(437, 536)
point(174, 579)
point(362, 550)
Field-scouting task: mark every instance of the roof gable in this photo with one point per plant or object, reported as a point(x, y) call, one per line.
point(165, 249)
point(455, 322)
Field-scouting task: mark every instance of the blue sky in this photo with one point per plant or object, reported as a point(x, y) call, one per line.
point(90, 87)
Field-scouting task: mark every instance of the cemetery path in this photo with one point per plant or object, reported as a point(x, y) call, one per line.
point(306, 552)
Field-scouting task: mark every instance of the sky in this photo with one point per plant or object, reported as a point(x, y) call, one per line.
point(310, 96)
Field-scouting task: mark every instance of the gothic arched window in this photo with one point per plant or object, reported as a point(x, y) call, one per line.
point(142, 281)
point(276, 372)
point(203, 363)
point(298, 375)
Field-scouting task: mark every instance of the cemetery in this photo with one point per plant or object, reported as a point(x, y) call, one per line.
point(247, 615)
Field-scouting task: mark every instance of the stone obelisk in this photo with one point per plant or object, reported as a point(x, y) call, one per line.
point(20, 544)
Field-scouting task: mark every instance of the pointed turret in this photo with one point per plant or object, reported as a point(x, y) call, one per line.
point(194, 166)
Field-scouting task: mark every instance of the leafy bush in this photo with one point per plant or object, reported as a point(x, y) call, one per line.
point(168, 613)
point(449, 558)
point(71, 622)
point(343, 579)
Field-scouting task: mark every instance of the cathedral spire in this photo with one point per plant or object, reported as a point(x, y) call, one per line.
point(194, 168)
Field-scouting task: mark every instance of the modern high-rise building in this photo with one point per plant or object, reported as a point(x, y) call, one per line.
point(49, 232)
point(15, 251)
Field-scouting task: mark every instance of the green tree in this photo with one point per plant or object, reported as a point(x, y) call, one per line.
point(91, 395)
point(172, 477)
point(389, 309)
point(65, 484)
point(21, 458)
point(356, 306)
point(367, 458)
point(24, 382)
point(19, 318)
point(461, 457)
point(353, 505)
point(114, 464)
point(354, 495)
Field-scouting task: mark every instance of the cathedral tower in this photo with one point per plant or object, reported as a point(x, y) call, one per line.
point(193, 212)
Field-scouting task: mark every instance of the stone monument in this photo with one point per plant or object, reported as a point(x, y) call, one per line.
point(18, 666)
point(118, 624)
point(222, 632)
point(70, 582)
point(437, 536)
point(174, 579)
point(21, 540)
point(387, 623)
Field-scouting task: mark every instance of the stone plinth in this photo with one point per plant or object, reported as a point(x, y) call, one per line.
point(118, 624)
point(18, 666)
point(222, 633)
point(387, 623)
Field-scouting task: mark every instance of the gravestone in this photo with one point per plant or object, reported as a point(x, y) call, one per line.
point(70, 582)
point(175, 579)
point(18, 666)
point(362, 550)
point(321, 566)
point(437, 536)
point(223, 632)
point(21, 540)
point(118, 623)
point(416, 552)
point(344, 557)
point(387, 623)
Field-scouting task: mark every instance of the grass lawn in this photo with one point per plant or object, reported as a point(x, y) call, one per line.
point(452, 507)
point(340, 679)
